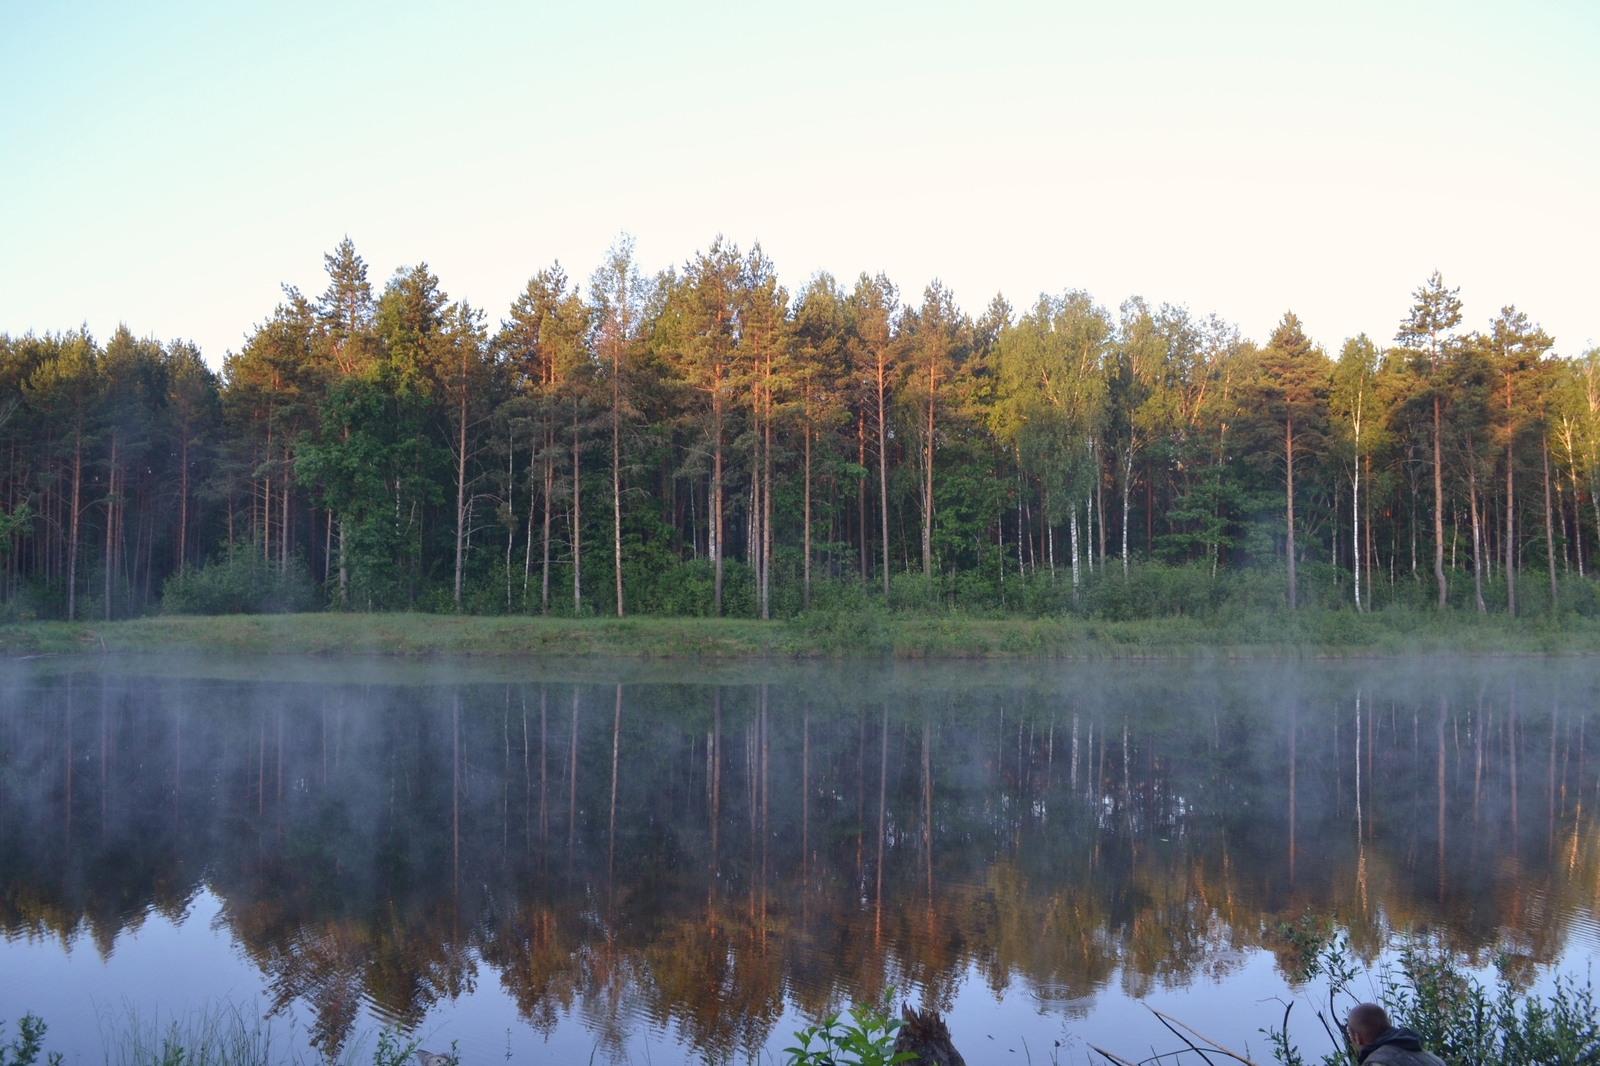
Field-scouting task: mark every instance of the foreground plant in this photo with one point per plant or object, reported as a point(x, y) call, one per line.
point(1429, 990)
point(867, 1039)
point(25, 1046)
point(394, 1050)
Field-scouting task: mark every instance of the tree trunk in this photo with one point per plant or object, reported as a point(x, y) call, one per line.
point(1088, 531)
point(1127, 489)
point(616, 477)
point(805, 590)
point(511, 515)
point(1511, 538)
point(183, 500)
point(883, 475)
point(1288, 459)
point(752, 532)
point(1549, 528)
point(766, 501)
point(1355, 529)
point(527, 543)
point(344, 570)
point(283, 526)
point(1074, 532)
point(1099, 504)
point(1372, 544)
point(1438, 510)
point(1577, 512)
point(861, 495)
point(716, 496)
point(111, 521)
point(461, 483)
point(549, 487)
point(577, 527)
point(927, 492)
point(1477, 533)
point(1049, 537)
point(1594, 502)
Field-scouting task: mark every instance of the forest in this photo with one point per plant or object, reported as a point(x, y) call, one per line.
point(704, 442)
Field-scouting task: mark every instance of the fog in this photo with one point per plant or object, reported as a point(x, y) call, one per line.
point(704, 849)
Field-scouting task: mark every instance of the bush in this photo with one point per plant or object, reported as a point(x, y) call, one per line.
point(866, 1040)
point(25, 1046)
point(1433, 992)
point(241, 582)
point(687, 590)
point(859, 630)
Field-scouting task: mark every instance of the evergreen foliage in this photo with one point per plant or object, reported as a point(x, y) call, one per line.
point(704, 442)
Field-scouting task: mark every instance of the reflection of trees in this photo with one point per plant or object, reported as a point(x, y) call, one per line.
point(328, 822)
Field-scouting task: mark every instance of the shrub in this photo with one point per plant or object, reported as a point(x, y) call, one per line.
point(866, 1040)
point(241, 582)
point(25, 1046)
point(1432, 991)
point(858, 630)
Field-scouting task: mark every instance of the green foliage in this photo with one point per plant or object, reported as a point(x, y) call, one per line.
point(18, 521)
point(1431, 990)
point(845, 631)
point(362, 418)
point(377, 467)
point(241, 582)
point(394, 1050)
point(25, 1046)
point(1466, 1023)
point(866, 1039)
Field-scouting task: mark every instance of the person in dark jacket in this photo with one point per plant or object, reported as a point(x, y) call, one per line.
point(1378, 1042)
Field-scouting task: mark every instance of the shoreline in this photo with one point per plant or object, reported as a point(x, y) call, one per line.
point(862, 636)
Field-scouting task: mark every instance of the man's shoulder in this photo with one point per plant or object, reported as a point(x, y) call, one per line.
point(1389, 1055)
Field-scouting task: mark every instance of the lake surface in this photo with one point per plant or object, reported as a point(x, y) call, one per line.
point(668, 864)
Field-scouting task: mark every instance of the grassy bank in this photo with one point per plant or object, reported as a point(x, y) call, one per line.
point(859, 634)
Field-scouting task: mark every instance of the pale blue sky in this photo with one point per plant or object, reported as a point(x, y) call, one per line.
point(169, 164)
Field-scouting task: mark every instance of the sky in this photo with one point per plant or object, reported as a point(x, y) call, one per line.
point(169, 165)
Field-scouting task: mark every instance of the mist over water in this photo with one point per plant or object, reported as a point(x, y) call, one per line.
point(688, 863)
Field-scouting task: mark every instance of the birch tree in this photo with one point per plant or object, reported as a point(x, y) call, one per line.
point(616, 293)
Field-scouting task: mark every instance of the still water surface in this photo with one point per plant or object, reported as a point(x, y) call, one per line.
point(667, 864)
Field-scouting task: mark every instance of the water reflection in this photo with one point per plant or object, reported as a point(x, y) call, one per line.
point(699, 854)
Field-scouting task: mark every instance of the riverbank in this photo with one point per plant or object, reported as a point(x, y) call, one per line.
point(870, 634)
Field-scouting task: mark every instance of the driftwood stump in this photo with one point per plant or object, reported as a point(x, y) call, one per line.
point(925, 1035)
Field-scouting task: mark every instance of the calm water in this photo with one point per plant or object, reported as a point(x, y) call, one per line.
point(657, 865)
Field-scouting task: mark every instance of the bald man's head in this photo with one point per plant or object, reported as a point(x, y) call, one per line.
point(1366, 1023)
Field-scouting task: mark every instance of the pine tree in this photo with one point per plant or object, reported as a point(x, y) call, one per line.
point(1515, 345)
point(1293, 388)
point(710, 301)
point(874, 305)
point(1427, 330)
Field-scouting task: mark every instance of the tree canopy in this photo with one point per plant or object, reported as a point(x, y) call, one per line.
point(704, 441)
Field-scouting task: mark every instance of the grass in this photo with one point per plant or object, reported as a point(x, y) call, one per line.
point(870, 633)
point(217, 1034)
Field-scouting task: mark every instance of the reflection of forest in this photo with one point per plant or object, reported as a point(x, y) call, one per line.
point(699, 855)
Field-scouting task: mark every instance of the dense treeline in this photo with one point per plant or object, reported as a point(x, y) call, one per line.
point(703, 441)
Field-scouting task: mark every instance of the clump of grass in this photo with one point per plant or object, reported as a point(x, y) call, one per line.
point(214, 1035)
point(224, 1034)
